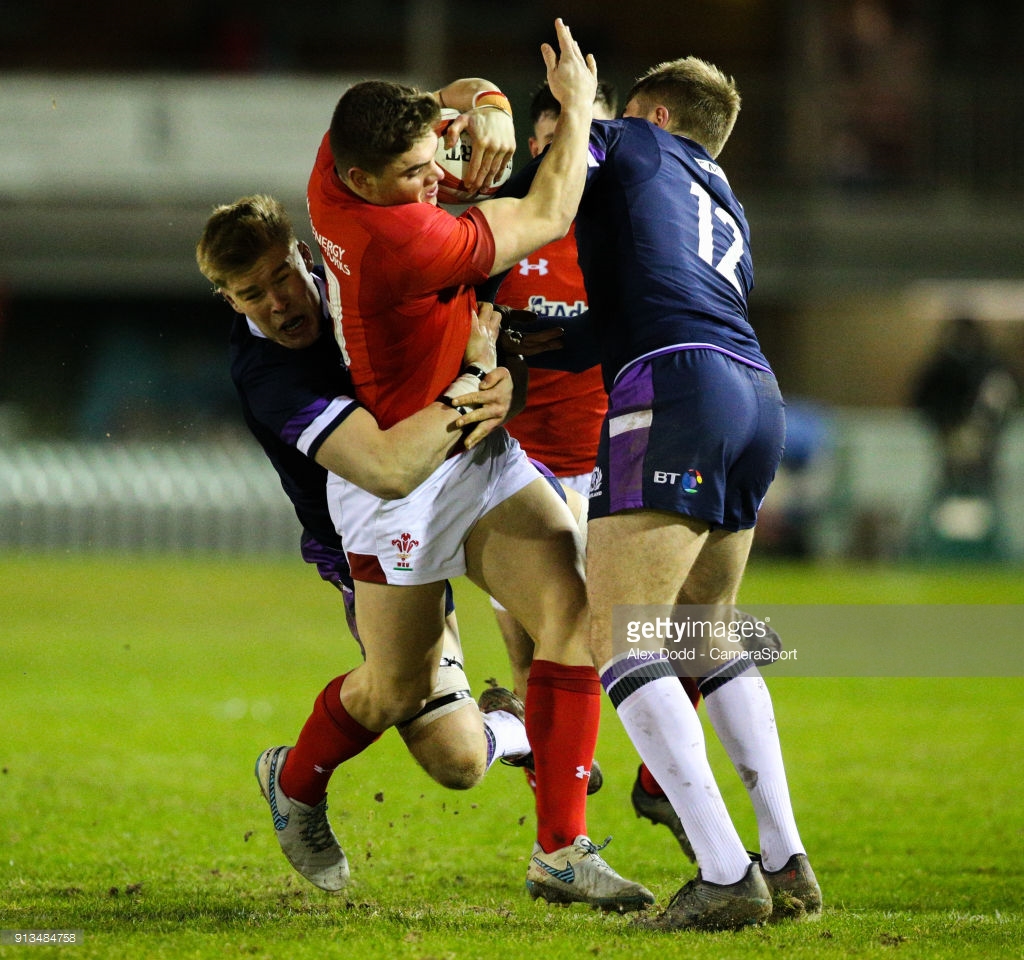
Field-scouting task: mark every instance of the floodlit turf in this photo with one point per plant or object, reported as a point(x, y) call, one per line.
point(137, 694)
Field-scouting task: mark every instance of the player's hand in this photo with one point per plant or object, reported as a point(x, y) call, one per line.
point(489, 406)
point(525, 334)
point(571, 76)
point(493, 135)
point(482, 347)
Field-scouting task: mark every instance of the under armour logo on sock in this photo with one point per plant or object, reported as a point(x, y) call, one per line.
point(582, 773)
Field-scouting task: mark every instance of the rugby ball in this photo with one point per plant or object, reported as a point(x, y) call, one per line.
point(452, 188)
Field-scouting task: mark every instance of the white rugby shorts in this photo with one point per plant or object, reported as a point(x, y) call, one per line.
point(420, 538)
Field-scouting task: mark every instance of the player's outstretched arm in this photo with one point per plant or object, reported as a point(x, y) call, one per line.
point(521, 226)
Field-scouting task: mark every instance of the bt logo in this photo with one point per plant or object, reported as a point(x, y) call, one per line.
point(690, 480)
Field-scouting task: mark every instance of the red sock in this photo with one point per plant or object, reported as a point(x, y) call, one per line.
point(563, 711)
point(647, 781)
point(329, 737)
point(531, 779)
point(692, 690)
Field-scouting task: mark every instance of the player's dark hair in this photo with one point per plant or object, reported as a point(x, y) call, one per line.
point(237, 234)
point(544, 101)
point(703, 101)
point(378, 120)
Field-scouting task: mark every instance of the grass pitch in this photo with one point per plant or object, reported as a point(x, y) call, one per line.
point(138, 693)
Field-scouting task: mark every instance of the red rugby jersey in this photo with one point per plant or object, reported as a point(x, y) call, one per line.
point(400, 283)
point(561, 424)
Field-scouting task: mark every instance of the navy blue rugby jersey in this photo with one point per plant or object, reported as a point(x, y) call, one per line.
point(292, 400)
point(664, 247)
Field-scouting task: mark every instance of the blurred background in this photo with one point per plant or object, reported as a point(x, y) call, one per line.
point(879, 155)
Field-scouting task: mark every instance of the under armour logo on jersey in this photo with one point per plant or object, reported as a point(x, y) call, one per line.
point(540, 267)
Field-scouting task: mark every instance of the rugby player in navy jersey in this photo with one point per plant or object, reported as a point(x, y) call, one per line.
point(296, 399)
point(692, 439)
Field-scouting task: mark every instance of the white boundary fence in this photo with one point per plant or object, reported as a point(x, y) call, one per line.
point(143, 498)
point(224, 496)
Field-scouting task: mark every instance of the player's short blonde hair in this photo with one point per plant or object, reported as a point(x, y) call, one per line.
point(237, 234)
point(703, 102)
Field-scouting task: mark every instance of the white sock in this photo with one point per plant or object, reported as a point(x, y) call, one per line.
point(506, 736)
point(666, 732)
point(742, 715)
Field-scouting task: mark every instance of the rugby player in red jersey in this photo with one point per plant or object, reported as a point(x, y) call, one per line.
point(400, 276)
